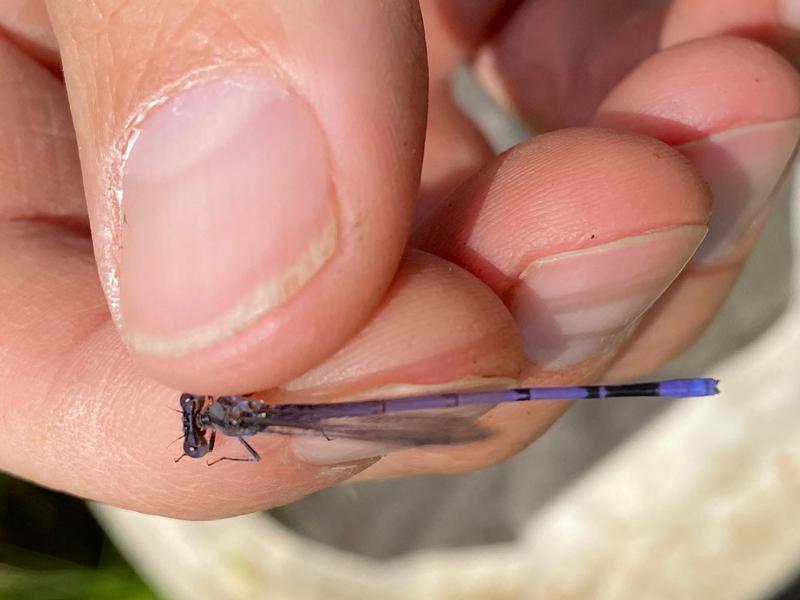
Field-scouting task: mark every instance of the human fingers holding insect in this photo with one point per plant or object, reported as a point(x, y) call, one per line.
point(250, 171)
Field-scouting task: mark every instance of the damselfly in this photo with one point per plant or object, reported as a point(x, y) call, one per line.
point(406, 422)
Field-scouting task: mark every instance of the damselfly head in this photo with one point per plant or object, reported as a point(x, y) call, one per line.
point(195, 443)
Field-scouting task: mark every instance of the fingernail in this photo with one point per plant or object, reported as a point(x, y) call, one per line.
point(743, 167)
point(578, 304)
point(227, 212)
point(320, 451)
point(789, 13)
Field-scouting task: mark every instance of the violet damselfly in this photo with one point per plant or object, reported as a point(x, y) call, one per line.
point(409, 421)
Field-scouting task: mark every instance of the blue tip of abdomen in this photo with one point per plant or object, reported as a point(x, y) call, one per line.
point(687, 388)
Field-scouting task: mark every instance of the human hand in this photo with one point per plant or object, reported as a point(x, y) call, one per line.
point(251, 172)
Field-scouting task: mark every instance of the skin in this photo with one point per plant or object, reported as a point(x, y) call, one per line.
point(84, 414)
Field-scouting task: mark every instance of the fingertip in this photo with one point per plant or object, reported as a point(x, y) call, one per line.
point(731, 107)
point(579, 231)
point(562, 191)
point(702, 87)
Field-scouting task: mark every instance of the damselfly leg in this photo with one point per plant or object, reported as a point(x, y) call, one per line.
point(254, 456)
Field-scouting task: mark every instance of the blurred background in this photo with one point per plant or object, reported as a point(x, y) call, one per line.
point(52, 548)
point(621, 499)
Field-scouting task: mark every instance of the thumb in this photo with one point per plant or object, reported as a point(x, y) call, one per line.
point(250, 169)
